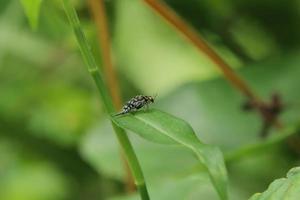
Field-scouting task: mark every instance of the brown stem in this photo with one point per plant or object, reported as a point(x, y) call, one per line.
point(171, 17)
point(97, 8)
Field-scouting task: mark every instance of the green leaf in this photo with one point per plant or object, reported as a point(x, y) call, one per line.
point(32, 11)
point(164, 128)
point(98, 147)
point(283, 188)
point(202, 104)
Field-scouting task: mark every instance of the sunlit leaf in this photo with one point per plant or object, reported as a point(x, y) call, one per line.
point(32, 11)
point(164, 128)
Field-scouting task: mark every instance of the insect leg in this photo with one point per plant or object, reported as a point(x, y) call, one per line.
point(146, 107)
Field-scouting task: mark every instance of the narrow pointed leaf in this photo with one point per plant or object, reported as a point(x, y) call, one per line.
point(160, 127)
point(32, 11)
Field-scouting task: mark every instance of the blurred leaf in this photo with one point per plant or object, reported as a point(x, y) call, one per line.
point(32, 11)
point(254, 39)
point(282, 189)
point(187, 188)
point(164, 128)
point(214, 107)
point(61, 116)
point(261, 146)
point(192, 187)
point(157, 50)
point(22, 177)
point(99, 147)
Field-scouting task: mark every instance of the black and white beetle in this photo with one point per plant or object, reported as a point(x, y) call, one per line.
point(136, 103)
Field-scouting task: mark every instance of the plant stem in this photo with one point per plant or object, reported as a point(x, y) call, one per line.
point(134, 166)
point(172, 18)
point(97, 8)
point(93, 69)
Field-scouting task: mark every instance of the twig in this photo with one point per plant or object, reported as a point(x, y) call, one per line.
point(97, 8)
point(172, 18)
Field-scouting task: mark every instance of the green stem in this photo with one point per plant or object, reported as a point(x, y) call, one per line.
point(94, 71)
point(103, 91)
point(134, 166)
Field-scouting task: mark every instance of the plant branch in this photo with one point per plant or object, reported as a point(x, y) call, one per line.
point(189, 33)
point(94, 71)
point(171, 17)
point(97, 8)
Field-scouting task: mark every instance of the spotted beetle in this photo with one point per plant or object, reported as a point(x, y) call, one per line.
point(136, 103)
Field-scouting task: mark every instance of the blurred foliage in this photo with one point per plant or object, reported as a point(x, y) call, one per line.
point(32, 10)
point(55, 141)
point(284, 188)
